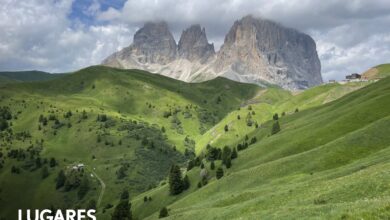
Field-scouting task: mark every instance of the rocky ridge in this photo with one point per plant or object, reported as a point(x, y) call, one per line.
point(254, 51)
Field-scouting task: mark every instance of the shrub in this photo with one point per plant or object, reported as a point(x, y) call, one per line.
point(275, 128)
point(163, 212)
point(219, 173)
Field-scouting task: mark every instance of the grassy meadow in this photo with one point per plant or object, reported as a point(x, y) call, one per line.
point(330, 159)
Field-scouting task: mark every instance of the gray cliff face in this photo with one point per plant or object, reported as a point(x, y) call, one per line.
point(255, 51)
point(193, 45)
point(258, 50)
point(154, 43)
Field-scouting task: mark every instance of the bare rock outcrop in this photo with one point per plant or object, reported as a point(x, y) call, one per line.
point(255, 50)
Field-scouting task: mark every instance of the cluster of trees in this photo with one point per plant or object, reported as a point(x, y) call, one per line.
point(15, 169)
point(74, 179)
point(226, 155)
point(102, 118)
point(219, 174)
point(31, 160)
point(68, 114)
point(42, 120)
point(147, 199)
point(5, 116)
point(206, 118)
point(122, 171)
point(122, 210)
point(249, 120)
point(177, 184)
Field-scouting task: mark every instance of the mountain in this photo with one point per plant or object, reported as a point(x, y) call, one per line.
point(154, 49)
point(254, 51)
point(28, 76)
point(193, 45)
point(258, 50)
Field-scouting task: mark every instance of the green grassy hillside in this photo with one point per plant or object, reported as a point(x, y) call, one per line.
point(126, 127)
point(383, 70)
point(380, 71)
point(327, 162)
point(268, 102)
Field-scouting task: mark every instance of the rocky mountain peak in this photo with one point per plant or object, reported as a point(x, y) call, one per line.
point(255, 50)
point(194, 46)
point(154, 43)
point(258, 50)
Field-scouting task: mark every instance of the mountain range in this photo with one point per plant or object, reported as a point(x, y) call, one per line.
point(255, 50)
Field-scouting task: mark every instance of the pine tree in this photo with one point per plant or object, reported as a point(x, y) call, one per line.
point(175, 180)
point(226, 128)
point(61, 178)
point(45, 172)
point(163, 212)
point(249, 121)
point(234, 154)
point(3, 124)
point(212, 165)
point(275, 128)
point(239, 147)
point(226, 154)
point(38, 162)
point(84, 187)
point(228, 163)
point(219, 173)
point(52, 162)
point(190, 165)
point(125, 195)
point(122, 211)
point(186, 183)
point(253, 140)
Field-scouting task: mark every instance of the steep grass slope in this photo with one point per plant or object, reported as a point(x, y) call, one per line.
point(327, 162)
point(377, 72)
point(126, 126)
point(267, 103)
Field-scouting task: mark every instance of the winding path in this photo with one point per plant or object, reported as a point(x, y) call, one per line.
point(103, 188)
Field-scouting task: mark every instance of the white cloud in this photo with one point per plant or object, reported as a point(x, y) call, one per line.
point(351, 35)
point(39, 36)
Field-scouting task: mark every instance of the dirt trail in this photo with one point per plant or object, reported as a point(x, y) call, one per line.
point(103, 188)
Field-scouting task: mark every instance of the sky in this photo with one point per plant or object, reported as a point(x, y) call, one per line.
point(66, 35)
